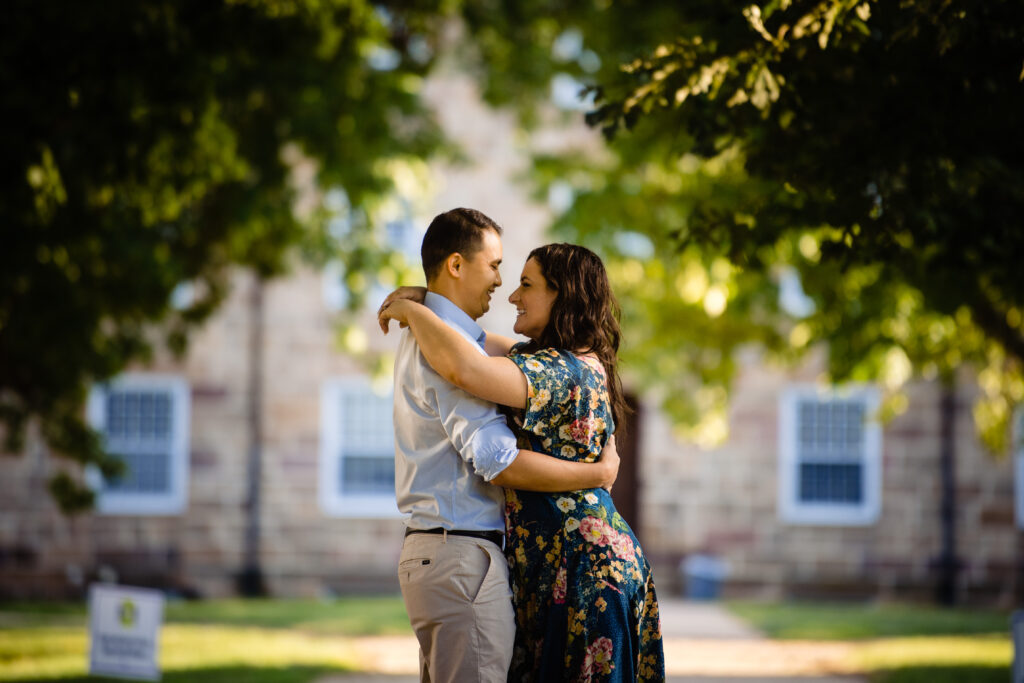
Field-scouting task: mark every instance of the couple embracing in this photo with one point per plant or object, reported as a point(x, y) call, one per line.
point(529, 496)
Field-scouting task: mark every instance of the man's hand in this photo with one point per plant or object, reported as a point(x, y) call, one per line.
point(610, 462)
point(417, 294)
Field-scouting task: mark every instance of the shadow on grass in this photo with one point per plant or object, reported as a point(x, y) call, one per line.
point(973, 673)
point(222, 674)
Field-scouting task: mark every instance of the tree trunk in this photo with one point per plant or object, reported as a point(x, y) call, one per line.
point(946, 564)
point(250, 578)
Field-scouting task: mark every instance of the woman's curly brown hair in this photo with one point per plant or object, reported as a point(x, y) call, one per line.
point(585, 315)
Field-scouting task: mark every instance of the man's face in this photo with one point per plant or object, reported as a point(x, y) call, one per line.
point(480, 276)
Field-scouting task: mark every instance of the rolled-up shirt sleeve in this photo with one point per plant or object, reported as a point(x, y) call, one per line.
point(492, 449)
point(477, 430)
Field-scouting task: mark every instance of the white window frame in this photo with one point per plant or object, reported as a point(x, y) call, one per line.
point(175, 500)
point(791, 509)
point(1017, 434)
point(332, 501)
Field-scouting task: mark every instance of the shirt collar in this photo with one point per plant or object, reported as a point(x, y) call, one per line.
point(453, 315)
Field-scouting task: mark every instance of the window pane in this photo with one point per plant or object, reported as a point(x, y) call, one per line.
point(138, 415)
point(367, 444)
point(368, 474)
point(830, 430)
point(144, 473)
point(830, 451)
point(138, 429)
point(831, 483)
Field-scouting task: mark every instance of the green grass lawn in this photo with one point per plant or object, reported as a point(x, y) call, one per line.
point(852, 621)
point(296, 641)
point(898, 643)
point(216, 641)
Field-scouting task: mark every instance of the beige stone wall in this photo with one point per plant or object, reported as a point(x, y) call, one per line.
point(725, 501)
point(199, 548)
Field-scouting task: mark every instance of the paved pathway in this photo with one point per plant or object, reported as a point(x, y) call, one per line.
point(703, 644)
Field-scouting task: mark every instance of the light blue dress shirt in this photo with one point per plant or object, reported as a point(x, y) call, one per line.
point(448, 443)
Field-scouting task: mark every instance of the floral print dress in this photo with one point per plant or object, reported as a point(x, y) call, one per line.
point(584, 597)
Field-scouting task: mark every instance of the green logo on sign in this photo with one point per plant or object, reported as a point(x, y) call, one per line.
point(127, 613)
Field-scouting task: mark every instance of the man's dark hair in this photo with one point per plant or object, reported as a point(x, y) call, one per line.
point(458, 230)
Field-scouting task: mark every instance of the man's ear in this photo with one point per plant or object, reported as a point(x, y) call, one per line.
point(453, 264)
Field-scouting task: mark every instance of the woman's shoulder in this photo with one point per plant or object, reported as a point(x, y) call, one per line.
point(545, 365)
point(581, 369)
point(545, 355)
point(593, 364)
point(517, 349)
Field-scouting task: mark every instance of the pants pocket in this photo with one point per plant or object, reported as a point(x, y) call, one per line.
point(470, 571)
point(494, 584)
point(415, 563)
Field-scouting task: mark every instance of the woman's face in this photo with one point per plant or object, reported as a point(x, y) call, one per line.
point(533, 300)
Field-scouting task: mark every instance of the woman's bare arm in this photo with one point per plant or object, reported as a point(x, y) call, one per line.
point(494, 344)
point(497, 345)
point(496, 379)
point(531, 471)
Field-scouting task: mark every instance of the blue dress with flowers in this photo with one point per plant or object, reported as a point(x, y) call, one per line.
point(584, 597)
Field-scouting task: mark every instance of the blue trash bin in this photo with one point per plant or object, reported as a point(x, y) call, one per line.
point(703, 576)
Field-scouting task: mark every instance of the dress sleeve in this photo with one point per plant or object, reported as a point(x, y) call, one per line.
point(551, 386)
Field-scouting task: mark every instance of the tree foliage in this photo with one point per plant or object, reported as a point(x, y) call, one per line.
point(871, 148)
point(148, 145)
point(866, 150)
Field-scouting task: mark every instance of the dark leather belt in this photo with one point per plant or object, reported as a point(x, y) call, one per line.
point(495, 537)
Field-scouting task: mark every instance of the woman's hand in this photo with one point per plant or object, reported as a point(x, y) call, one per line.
point(610, 461)
point(397, 309)
point(417, 294)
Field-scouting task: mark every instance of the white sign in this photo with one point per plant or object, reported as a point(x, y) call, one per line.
point(124, 631)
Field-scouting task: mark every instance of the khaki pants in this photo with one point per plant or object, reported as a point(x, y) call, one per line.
point(457, 594)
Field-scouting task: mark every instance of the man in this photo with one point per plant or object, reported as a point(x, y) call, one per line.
point(453, 453)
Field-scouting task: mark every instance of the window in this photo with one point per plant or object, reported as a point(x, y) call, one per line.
point(829, 456)
point(357, 451)
point(143, 419)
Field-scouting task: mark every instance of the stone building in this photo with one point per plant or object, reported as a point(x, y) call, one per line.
point(807, 497)
point(811, 498)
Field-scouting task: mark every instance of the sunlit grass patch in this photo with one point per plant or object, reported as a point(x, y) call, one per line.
point(31, 654)
point(898, 643)
point(263, 641)
point(946, 659)
point(195, 646)
point(844, 621)
point(949, 650)
point(364, 616)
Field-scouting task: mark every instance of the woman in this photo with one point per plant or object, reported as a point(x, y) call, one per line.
point(584, 597)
